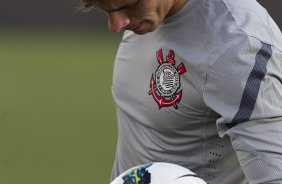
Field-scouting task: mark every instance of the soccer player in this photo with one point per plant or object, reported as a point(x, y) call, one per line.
point(198, 83)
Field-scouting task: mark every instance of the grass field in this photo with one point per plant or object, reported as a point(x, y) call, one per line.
point(57, 116)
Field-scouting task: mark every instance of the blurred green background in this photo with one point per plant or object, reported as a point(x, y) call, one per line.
point(57, 115)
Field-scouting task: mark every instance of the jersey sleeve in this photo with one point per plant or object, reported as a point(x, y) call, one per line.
point(244, 86)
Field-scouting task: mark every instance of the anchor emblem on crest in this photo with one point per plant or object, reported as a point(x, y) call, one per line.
point(165, 84)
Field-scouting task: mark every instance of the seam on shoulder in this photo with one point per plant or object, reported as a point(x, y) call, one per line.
point(244, 37)
point(244, 32)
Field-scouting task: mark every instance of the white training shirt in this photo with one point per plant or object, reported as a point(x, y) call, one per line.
point(204, 91)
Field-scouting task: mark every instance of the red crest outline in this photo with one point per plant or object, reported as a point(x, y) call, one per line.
point(173, 99)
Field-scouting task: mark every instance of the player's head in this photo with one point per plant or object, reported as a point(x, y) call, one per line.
point(140, 16)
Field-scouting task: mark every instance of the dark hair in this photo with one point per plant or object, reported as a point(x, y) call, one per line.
point(86, 5)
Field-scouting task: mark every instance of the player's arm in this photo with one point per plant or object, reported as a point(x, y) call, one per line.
point(244, 86)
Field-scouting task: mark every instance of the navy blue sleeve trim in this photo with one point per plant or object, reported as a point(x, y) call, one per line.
point(252, 86)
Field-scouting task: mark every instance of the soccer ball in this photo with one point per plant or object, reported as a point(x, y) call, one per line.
point(158, 173)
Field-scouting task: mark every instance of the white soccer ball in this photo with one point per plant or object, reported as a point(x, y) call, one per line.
point(158, 173)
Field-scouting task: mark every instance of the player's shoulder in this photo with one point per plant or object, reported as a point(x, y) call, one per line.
point(254, 21)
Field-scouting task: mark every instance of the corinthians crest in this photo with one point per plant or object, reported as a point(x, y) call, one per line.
point(165, 84)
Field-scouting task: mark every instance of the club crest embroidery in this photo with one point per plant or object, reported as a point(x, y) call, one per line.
point(165, 86)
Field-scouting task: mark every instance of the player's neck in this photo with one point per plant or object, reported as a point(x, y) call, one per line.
point(177, 5)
